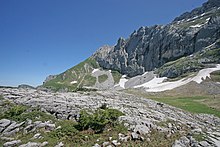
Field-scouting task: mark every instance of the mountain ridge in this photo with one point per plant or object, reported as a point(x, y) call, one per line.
point(150, 48)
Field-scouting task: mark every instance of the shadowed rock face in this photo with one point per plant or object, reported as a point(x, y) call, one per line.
point(151, 47)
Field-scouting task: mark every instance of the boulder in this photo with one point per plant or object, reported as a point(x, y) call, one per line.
point(60, 144)
point(141, 129)
point(116, 143)
point(204, 143)
point(34, 144)
point(96, 145)
point(12, 143)
point(134, 136)
point(105, 144)
point(4, 123)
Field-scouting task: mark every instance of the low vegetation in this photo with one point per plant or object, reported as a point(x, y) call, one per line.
point(180, 68)
point(98, 120)
point(21, 113)
point(102, 78)
point(192, 104)
point(99, 125)
point(80, 73)
point(215, 76)
point(117, 76)
point(195, 104)
point(1, 97)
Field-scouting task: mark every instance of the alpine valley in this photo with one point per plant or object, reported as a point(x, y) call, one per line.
point(159, 87)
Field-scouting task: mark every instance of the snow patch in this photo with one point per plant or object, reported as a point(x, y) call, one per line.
point(204, 73)
point(208, 19)
point(157, 84)
point(124, 76)
point(122, 82)
point(210, 45)
point(196, 26)
point(195, 17)
point(95, 70)
point(152, 83)
point(73, 82)
point(202, 14)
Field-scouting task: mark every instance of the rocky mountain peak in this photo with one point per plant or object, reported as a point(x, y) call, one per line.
point(211, 4)
point(151, 47)
point(208, 6)
point(103, 51)
point(154, 48)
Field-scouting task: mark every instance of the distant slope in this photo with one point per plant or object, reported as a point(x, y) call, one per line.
point(82, 77)
point(74, 77)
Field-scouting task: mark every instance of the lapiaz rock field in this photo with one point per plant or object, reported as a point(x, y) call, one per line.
point(160, 87)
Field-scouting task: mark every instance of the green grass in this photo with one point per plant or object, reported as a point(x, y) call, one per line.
point(157, 139)
point(191, 104)
point(184, 66)
point(86, 131)
point(85, 138)
point(199, 137)
point(117, 76)
point(187, 65)
point(21, 113)
point(215, 76)
point(102, 78)
point(212, 52)
point(195, 104)
point(69, 133)
point(89, 80)
point(80, 73)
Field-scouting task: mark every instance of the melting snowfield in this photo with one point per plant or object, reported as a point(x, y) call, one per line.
point(157, 84)
point(95, 70)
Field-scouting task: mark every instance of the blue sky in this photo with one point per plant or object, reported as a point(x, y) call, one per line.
point(43, 37)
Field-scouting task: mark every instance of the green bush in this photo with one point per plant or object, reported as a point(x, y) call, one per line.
point(102, 78)
point(22, 113)
point(35, 115)
point(15, 111)
point(98, 120)
point(67, 129)
point(113, 114)
point(85, 120)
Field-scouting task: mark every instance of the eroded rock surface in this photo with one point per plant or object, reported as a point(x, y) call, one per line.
point(141, 115)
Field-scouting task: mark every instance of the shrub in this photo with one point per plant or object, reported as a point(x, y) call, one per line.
point(85, 120)
point(98, 120)
point(35, 115)
point(113, 114)
point(22, 113)
point(103, 106)
point(15, 111)
point(67, 129)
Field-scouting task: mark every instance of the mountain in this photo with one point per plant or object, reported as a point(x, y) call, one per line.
point(188, 44)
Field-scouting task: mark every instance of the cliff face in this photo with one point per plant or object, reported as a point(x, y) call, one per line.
point(188, 44)
point(151, 47)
